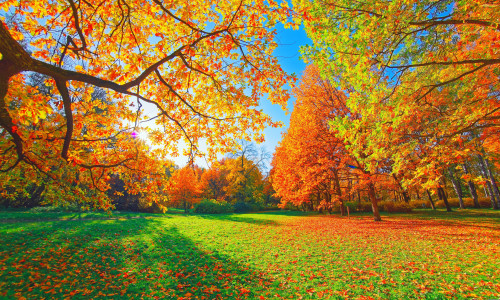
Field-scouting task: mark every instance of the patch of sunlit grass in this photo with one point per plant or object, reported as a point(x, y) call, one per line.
point(255, 256)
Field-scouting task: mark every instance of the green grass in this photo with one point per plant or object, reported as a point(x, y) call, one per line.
point(31, 216)
point(422, 255)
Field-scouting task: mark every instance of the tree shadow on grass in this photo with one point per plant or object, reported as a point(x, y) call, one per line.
point(460, 214)
point(258, 218)
point(117, 259)
point(78, 216)
point(480, 218)
point(239, 218)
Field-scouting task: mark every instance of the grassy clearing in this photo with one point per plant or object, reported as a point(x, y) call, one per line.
point(18, 215)
point(271, 255)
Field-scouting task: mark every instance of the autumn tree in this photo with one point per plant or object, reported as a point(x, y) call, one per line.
point(269, 193)
point(245, 180)
point(178, 71)
point(184, 187)
point(313, 166)
point(420, 75)
point(214, 182)
point(245, 166)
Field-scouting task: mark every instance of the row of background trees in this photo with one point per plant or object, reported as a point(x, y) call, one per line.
point(315, 170)
point(237, 182)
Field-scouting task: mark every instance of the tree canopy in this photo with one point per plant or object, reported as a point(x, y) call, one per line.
point(82, 80)
point(422, 76)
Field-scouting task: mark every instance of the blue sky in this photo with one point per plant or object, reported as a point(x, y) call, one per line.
point(289, 42)
point(288, 54)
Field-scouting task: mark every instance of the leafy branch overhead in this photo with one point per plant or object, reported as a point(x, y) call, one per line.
point(423, 76)
point(199, 69)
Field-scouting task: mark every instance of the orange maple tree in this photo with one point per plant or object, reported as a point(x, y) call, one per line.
point(184, 187)
point(312, 165)
point(214, 182)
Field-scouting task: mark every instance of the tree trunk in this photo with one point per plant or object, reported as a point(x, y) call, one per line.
point(349, 189)
point(458, 188)
point(318, 201)
point(185, 207)
point(339, 192)
point(486, 194)
point(328, 200)
point(357, 190)
point(472, 187)
point(430, 199)
point(342, 208)
point(373, 199)
point(482, 164)
point(493, 183)
point(418, 194)
point(403, 191)
point(442, 196)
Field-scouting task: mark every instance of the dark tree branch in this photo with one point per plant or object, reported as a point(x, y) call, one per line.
point(63, 90)
point(485, 62)
point(78, 28)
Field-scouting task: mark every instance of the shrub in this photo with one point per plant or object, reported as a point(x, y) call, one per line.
point(484, 202)
point(440, 204)
point(352, 205)
point(395, 207)
point(290, 206)
point(256, 207)
point(270, 207)
point(453, 202)
point(241, 207)
point(364, 207)
point(212, 206)
point(468, 202)
point(420, 204)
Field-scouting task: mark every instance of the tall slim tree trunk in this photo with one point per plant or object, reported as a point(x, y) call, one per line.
point(482, 164)
point(349, 188)
point(493, 183)
point(472, 187)
point(486, 194)
point(491, 194)
point(342, 208)
point(357, 189)
point(318, 200)
point(430, 199)
point(406, 198)
point(339, 191)
point(442, 196)
point(328, 203)
point(458, 188)
point(418, 194)
point(373, 199)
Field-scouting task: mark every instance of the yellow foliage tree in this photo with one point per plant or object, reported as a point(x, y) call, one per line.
point(76, 79)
